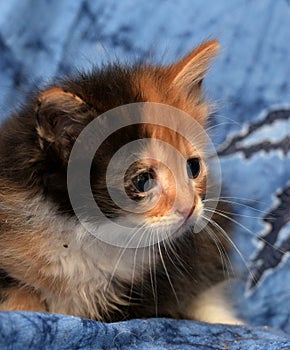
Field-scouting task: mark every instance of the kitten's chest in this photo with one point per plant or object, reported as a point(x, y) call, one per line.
point(87, 277)
point(78, 256)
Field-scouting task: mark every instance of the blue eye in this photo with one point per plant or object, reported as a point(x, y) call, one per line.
point(193, 168)
point(144, 181)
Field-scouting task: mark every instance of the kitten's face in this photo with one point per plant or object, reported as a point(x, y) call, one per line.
point(162, 171)
point(166, 190)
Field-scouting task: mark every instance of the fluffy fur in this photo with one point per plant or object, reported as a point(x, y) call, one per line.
point(48, 262)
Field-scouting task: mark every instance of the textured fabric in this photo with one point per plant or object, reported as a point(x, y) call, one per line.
point(40, 331)
point(250, 82)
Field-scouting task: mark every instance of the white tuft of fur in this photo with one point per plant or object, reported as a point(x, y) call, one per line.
point(213, 306)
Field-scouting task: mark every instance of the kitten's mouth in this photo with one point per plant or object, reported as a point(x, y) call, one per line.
point(178, 217)
point(189, 215)
point(186, 214)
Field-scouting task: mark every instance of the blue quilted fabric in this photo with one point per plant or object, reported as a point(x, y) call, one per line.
point(249, 81)
point(40, 331)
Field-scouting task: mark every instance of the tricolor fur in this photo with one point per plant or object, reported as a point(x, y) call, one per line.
point(48, 262)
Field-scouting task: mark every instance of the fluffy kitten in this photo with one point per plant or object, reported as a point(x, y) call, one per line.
point(48, 261)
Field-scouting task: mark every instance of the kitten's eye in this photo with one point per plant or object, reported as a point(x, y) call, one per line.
point(193, 168)
point(144, 181)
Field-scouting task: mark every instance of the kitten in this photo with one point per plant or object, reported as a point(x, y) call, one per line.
point(48, 261)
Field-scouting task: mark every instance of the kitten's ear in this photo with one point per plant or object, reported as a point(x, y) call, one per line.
point(60, 117)
point(188, 73)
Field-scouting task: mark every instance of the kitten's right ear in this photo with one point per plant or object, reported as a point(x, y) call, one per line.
point(60, 117)
point(188, 73)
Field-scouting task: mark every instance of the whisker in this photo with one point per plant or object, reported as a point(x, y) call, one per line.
point(166, 272)
point(121, 255)
point(226, 261)
point(153, 277)
point(238, 214)
point(223, 232)
point(167, 245)
point(170, 244)
point(234, 203)
point(134, 264)
point(245, 228)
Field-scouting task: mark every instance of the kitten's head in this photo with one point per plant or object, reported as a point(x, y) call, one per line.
point(166, 182)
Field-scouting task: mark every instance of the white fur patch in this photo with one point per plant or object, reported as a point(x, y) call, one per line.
point(212, 306)
point(83, 262)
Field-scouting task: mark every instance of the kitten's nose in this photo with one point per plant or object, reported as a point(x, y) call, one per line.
point(187, 212)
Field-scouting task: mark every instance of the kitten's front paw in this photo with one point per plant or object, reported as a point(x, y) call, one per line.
point(212, 306)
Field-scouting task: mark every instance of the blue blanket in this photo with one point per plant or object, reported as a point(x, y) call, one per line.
point(250, 82)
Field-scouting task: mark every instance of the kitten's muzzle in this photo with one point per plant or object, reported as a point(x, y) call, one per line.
point(186, 214)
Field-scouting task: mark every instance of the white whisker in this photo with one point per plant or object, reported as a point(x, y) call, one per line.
point(243, 227)
point(235, 203)
point(166, 272)
point(223, 232)
point(153, 277)
point(226, 262)
point(121, 255)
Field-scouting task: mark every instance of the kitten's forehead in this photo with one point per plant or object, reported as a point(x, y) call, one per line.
point(176, 141)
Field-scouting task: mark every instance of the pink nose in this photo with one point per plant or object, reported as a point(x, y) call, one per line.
point(186, 213)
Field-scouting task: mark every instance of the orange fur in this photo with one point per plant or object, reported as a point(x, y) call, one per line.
point(164, 84)
point(21, 300)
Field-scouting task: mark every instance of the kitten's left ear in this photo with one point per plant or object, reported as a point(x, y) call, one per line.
point(188, 73)
point(60, 117)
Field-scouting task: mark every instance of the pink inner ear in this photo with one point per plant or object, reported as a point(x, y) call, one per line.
point(191, 69)
point(201, 55)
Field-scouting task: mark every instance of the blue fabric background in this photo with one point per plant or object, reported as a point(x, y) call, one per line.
point(249, 81)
